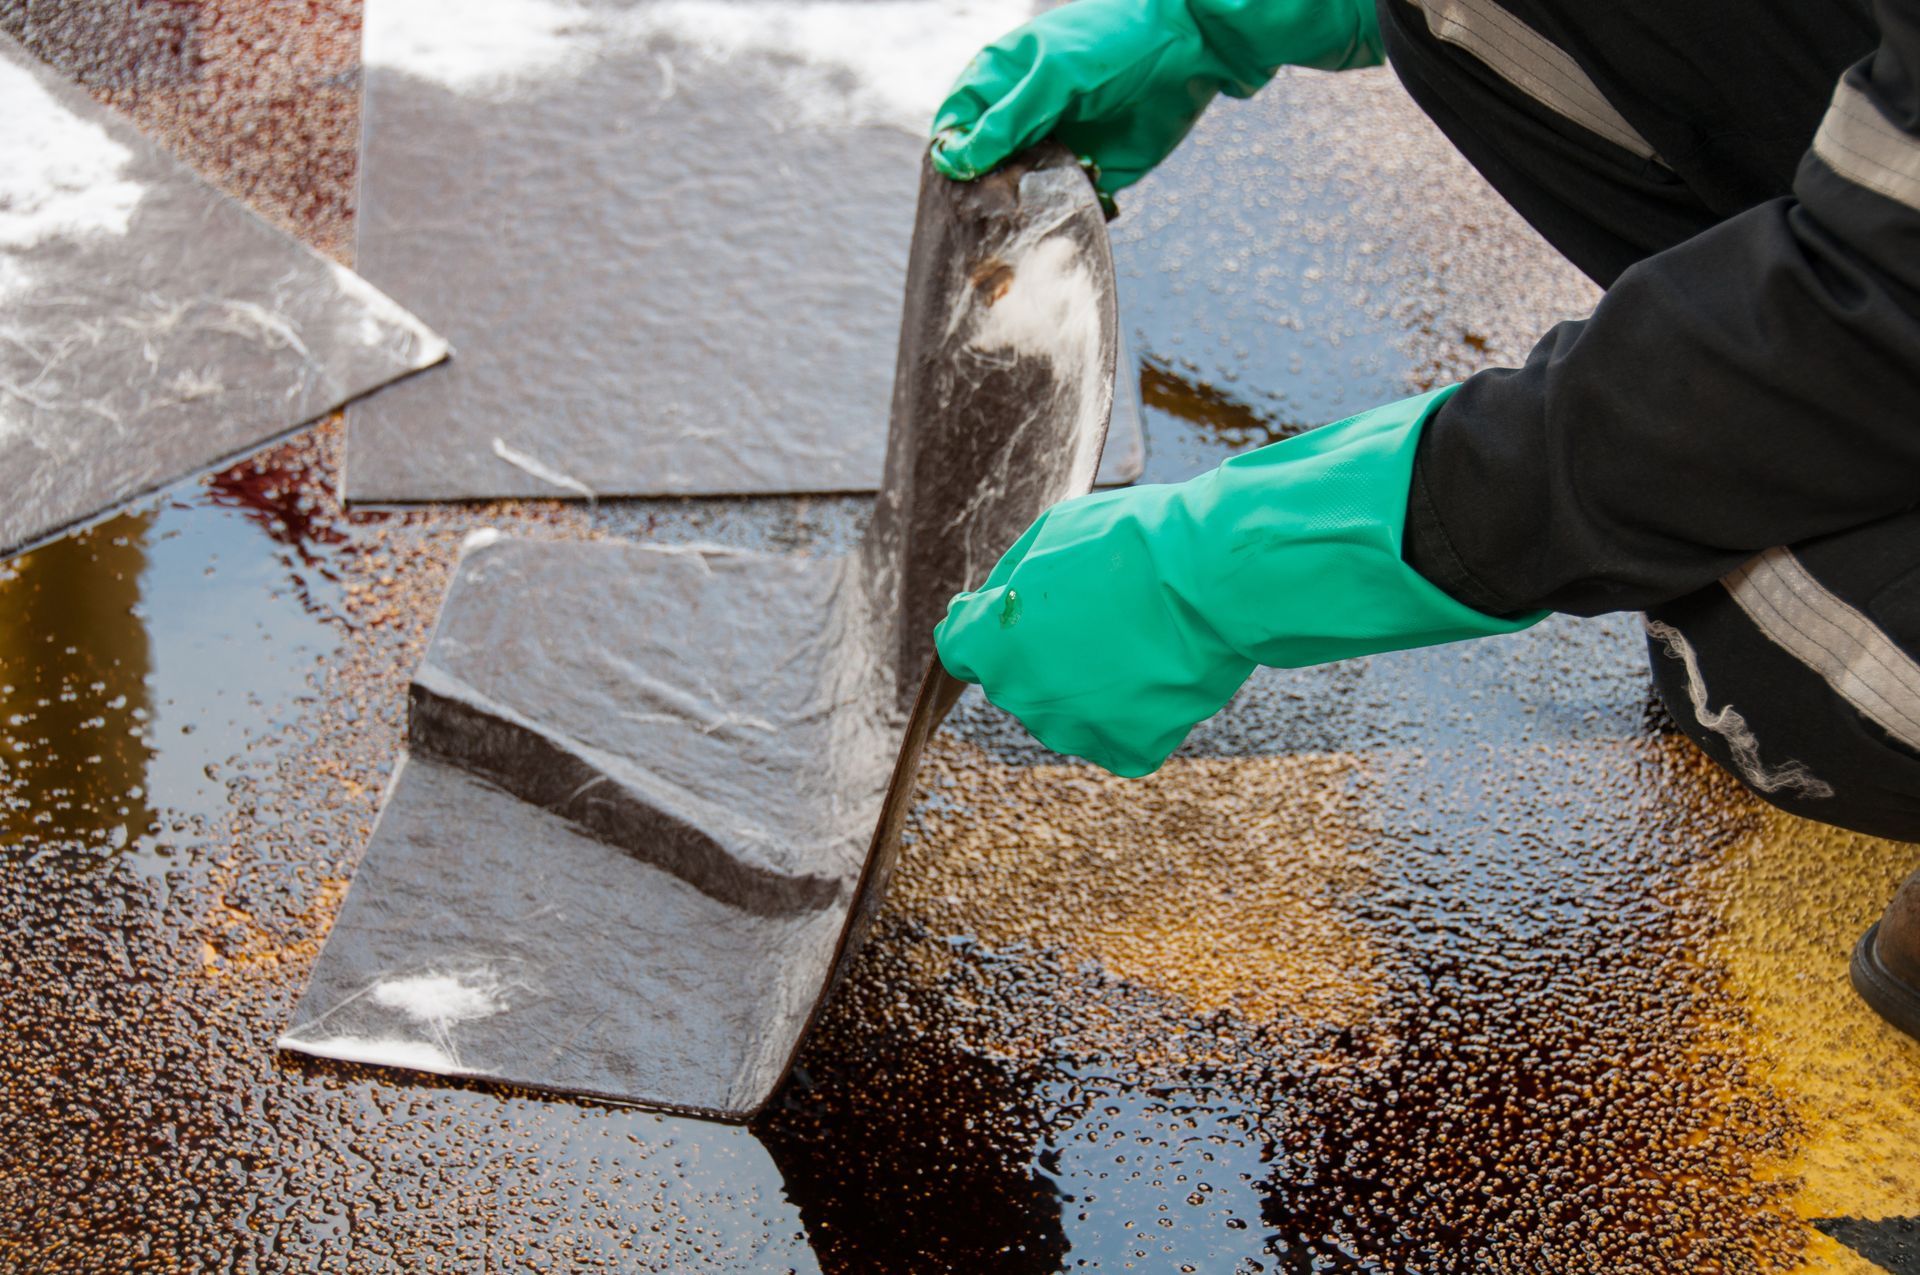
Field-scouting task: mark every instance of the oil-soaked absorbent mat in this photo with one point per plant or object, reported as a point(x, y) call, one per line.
point(668, 238)
point(652, 794)
point(149, 325)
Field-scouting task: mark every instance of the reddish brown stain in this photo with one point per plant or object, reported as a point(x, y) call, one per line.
point(991, 279)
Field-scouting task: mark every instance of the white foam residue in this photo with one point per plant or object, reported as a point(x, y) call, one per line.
point(15, 406)
point(254, 322)
point(381, 313)
point(192, 384)
point(60, 174)
point(544, 472)
point(832, 62)
point(433, 1004)
point(439, 1003)
point(1051, 308)
point(385, 1052)
point(1731, 725)
point(16, 409)
point(440, 1000)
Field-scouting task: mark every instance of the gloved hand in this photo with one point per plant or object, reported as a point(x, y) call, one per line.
point(1121, 81)
point(1122, 619)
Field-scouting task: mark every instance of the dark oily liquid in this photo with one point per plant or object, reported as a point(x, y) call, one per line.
point(1264, 1011)
point(1413, 964)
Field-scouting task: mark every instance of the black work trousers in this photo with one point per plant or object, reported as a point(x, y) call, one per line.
point(1798, 671)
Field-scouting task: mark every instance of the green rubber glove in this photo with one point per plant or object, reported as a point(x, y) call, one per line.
point(1121, 81)
point(1122, 619)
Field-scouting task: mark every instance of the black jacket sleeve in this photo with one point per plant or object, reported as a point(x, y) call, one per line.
point(1755, 385)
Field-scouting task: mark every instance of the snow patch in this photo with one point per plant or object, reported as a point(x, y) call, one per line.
point(841, 62)
point(831, 62)
point(475, 46)
point(60, 174)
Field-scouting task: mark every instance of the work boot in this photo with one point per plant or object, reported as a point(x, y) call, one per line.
point(1886, 962)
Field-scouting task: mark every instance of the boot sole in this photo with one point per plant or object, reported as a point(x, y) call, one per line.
point(1890, 998)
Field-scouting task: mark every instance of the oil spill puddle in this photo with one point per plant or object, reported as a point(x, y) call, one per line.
point(1509, 979)
point(243, 645)
point(1205, 415)
point(1452, 1008)
point(142, 664)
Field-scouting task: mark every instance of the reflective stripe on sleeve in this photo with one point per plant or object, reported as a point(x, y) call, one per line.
point(1531, 63)
point(1856, 141)
point(1856, 659)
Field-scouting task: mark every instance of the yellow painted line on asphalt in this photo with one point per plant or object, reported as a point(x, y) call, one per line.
point(1794, 897)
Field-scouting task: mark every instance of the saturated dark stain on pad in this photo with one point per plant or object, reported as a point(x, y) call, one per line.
point(652, 796)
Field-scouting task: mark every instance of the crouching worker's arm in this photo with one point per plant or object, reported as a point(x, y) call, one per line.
point(1122, 619)
point(1120, 82)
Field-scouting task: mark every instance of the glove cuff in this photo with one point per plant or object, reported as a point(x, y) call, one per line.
point(1317, 525)
point(1255, 38)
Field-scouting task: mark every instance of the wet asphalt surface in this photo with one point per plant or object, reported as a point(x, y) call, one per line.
point(1456, 960)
